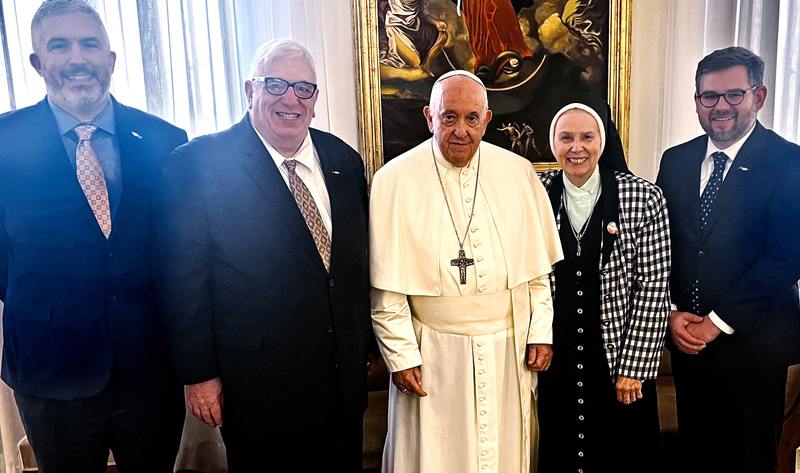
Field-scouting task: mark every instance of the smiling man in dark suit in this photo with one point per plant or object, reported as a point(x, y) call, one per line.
point(83, 345)
point(262, 237)
point(734, 207)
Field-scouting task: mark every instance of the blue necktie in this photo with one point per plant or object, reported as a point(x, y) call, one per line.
point(706, 202)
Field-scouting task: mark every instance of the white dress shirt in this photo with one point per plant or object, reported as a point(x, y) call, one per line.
point(309, 170)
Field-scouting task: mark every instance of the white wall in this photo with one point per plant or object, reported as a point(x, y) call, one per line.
point(667, 41)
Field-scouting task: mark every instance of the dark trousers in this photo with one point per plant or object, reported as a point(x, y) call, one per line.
point(142, 429)
point(728, 420)
point(333, 445)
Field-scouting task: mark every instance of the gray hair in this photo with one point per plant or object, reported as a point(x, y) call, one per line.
point(62, 7)
point(277, 49)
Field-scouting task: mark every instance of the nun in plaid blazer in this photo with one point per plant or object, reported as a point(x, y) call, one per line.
point(597, 404)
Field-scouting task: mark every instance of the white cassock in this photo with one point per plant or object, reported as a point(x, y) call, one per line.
point(470, 340)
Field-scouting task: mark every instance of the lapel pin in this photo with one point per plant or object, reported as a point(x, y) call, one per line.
point(612, 228)
point(335, 172)
point(136, 134)
point(744, 168)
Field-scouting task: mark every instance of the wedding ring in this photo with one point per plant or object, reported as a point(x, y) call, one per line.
point(404, 390)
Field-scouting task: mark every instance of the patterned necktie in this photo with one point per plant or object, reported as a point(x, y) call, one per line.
point(91, 177)
point(710, 192)
point(310, 212)
point(706, 202)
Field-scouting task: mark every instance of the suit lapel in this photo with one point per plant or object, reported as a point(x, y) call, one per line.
point(51, 148)
point(131, 142)
point(697, 154)
point(609, 199)
point(260, 166)
point(331, 170)
point(742, 167)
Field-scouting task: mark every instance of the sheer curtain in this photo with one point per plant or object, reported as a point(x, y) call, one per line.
point(186, 60)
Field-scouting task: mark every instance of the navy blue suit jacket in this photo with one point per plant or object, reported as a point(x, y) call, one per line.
point(747, 259)
point(244, 289)
point(76, 303)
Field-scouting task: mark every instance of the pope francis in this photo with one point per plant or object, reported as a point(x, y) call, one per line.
point(462, 240)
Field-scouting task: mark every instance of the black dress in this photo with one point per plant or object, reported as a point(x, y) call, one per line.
point(582, 426)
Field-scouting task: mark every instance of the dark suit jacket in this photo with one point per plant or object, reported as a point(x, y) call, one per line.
point(76, 303)
point(244, 289)
point(747, 259)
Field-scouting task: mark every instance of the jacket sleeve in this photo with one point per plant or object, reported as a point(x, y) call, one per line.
point(650, 304)
point(183, 267)
point(778, 266)
point(3, 256)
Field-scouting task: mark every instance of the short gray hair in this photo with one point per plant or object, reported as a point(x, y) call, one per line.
point(277, 49)
point(62, 7)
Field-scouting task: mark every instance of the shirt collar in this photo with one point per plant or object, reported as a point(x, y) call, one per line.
point(302, 155)
point(589, 188)
point(441, 161)
point(732, 150)
point(66, 122)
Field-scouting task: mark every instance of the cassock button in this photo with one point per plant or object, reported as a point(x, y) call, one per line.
point(580, 347)
point(701, 253)
point(580, 401)
point(579, 311)
point(580, 436)
point(330, 329)
point(580, 454)
point(580, 293)
point(580, 330)
point(331, 282)
point(580, 366)
point(578, 273)
point(580, 384)
point(580, 417)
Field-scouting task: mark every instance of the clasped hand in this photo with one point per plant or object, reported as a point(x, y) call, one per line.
point(691, 333)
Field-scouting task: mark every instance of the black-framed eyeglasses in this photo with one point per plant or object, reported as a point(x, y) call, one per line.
point(278, 86)
point(733, 97)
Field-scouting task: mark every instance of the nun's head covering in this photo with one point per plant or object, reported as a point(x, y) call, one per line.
point(612, 153)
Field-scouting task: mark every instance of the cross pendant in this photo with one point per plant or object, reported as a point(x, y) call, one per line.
point(462, 262)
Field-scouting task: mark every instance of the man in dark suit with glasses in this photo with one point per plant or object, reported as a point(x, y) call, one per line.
point(262, 232)
point(734, 207)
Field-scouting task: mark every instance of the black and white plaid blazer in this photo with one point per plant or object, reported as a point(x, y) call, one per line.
point(634, 268)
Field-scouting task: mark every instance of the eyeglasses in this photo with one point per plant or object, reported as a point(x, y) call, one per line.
point(278, 86)
point(733, 97)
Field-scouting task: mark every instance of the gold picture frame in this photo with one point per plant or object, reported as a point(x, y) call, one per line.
point(368, 81)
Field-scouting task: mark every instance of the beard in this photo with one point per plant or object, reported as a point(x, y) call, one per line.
point(742, 122)
point(79, 99)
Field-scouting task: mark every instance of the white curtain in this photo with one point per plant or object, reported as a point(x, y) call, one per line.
point(186, 60)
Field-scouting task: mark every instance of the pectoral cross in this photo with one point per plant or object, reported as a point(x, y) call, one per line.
point(462, 262)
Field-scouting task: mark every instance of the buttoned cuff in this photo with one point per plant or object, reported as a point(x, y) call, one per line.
point(720, 323)
point(673, 307)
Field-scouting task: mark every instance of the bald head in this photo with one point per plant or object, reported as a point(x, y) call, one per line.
point(458, 115)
